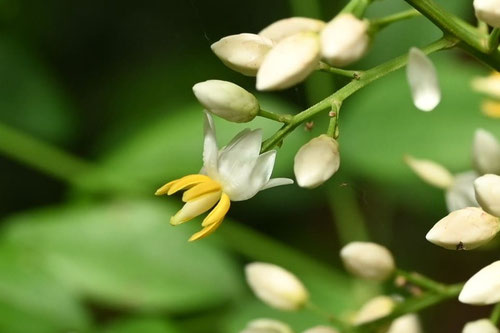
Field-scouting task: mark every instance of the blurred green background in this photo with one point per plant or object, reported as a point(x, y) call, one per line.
point(86, 247)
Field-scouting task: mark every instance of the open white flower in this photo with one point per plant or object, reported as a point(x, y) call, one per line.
point(461, 193)
point(480, 326)
point(423, 80)
point(488, 11)
point(482, 288)
point(264, 325)
point(486, 152)
point(237, 172)
point(291, 26)
point(488, 193)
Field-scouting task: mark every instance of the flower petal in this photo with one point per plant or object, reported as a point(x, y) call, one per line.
point(210, 151)
point(461, 193)
point(486, 152)
point(423, 81)
point(277, 182)
point(219, 212)
point(195, 207)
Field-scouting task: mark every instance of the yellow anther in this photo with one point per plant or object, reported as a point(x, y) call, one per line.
point(205, 231)
point(164, 189)
point(201, 189)
point(491, 108)
point(219, 212)
point(187, 182)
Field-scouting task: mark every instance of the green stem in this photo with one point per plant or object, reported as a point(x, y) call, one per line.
point(338, 323)
point(494, 39)
point(422, 281)
point(332, 126)
point(282, 118)
point(495, 314)
point(383, 22)
point(324, 67)
point(356, 7)
point(340, 95)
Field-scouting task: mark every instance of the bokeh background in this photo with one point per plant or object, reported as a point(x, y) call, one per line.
point(96, 112)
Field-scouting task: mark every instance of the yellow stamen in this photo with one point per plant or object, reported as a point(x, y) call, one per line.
point(201, 189)
point(205, 231)
point(195, 208)
point(491, 108)
point(164, 189)
point(182, 183)
point(219, 212)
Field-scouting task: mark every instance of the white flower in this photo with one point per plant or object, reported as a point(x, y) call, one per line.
point(488, 11)
point(464, 229)
point(406, 324)
point(482, 288)
point(276, 286)
point(430, 172)
point(291, 26)
point(237, 172)
point(321, 329)
point(289, 62)
point(423, 81)
point(344, 40)
point(316, 161)
point(227, 100)
point(461, 193)
point(264, 325)
point(480, 326)
point(486, 152)
point(368, 260)
point(488, 193)
point(243, 53)
point(375, 308)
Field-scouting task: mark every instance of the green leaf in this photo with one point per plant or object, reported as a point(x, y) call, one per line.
point(140, 325)
point(32, 300)
point(127, 255)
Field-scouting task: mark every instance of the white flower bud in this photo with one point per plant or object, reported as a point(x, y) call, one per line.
point(486, 152)
point(480, 326)
point(276, 286)
point(489, 85)
point(430, 172)
point(423, 80)
point(488, 193)
point(227, 100)
point(461, 193)
point(375, 308)
point(291, 26)
point(289, 62)
point(488, 11)
point(406, 324)
point(482, 288)
point(243, 53)
point(316, 161)
point(464, 229)
point(368, 260)
point(344, 40)
point(321, 329)
point(264, 325)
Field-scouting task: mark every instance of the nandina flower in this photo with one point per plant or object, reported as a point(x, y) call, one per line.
point(235, 173)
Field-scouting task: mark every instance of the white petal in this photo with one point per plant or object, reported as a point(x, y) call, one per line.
point(243, 53)
point(480, 326)
point(487, 190)
point(423, 81)
point(289, 62)
point(483, 287)
point(210, 151)
point(486, 152)
point(291, 26)
point(195, 207)
point(461, 193)
point(489, 85)
point(277, 182)
point(430, 172)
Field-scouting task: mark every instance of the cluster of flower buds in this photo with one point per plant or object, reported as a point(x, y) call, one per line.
point(287, 51)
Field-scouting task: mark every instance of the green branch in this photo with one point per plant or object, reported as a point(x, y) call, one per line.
point(324, 67)
point(282, 118)
point(422, 281)
point(380, 23)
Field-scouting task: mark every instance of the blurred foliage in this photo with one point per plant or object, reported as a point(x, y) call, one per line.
point(112, 84)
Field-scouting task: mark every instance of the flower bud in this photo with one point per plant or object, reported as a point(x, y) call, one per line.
point(461, 193)
point(368, 260)
point(480, 326)
point(243, 53)
point(488, 11)
point(430, 172)
point(227, 100)
point(423, 80)
point(276, 286)
point(464, 229)
point(264, 325)
point(316, 161)
point(486, 152)
point(406, 324)
point(489, 85)
point(482, 288)
point(488, 193)
point(289, 62)
point(321, 329)
point(375, 308)
point(344, 40)
point(291, 26)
